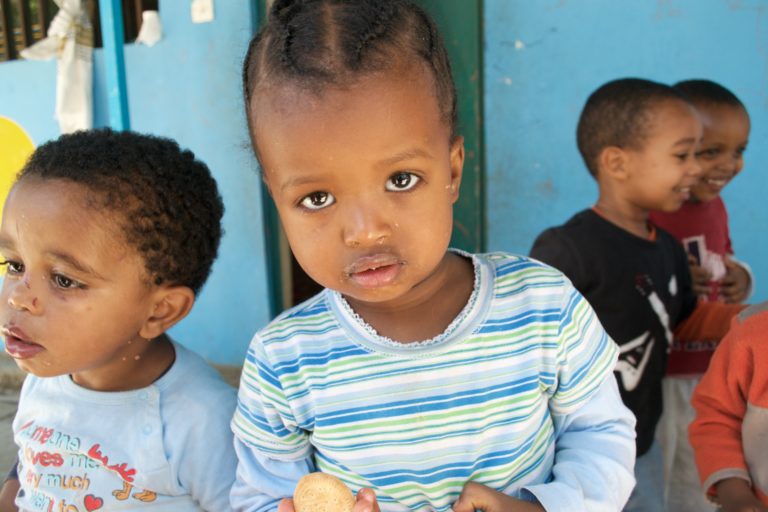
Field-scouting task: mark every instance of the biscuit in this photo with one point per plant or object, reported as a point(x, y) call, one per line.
point(320, 492)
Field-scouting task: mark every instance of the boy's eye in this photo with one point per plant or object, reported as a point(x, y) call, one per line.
point(13, 268)
point(317, 201)
point(708, 153)
point(65, 282)
point(402, 181)
point(740, 151)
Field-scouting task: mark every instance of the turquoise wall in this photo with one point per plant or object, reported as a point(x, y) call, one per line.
point(541, 61)
point(185, 87)
point(544, 58)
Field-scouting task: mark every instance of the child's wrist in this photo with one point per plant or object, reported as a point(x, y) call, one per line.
point(733, 490)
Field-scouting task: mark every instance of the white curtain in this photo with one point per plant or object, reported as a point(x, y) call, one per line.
point(70, 41)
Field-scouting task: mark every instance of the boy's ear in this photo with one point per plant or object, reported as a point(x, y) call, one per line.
point(613, 161)
point(457, 165)
point(171, 305)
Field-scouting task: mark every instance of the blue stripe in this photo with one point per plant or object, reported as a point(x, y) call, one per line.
point(422, 404)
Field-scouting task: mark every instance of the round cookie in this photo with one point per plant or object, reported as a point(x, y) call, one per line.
point(320, 492)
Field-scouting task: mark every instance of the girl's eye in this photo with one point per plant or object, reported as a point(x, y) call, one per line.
point(65, 282)
point(13, 268)
point(317, 201)
point(402, 181)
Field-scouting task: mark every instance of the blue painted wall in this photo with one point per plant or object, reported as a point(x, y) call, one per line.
point(185, 87)
point(544, 58)
point(28, 96)
point(541, 61)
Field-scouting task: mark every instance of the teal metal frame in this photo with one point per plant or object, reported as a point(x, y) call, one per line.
point(111, 17)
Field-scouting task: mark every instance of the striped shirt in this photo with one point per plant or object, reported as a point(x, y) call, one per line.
point(416, 421)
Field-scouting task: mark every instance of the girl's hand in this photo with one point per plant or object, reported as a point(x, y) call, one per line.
point(366, 502)
point(735, 495)
point(476, 496)
point(700, 276)
point(735, 284)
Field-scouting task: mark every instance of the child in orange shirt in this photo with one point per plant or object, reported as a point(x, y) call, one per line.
point(728, 434)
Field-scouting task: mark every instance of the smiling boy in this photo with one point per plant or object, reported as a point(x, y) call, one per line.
point(701, 225)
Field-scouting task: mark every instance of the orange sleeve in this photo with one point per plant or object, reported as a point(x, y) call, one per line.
point(720, 401)
point(708, 321)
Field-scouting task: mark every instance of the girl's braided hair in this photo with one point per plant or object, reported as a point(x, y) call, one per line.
point(315, 44)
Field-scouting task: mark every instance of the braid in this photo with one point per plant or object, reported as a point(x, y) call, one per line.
point(283, 12)
point(319, 43)
point(380, 23)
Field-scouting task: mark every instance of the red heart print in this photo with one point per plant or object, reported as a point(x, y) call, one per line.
point(93, 503)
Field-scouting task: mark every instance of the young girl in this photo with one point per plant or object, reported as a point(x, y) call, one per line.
point(106, 238)
point(418, 368)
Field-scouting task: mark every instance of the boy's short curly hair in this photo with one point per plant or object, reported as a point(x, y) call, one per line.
point(166, 200)
point(619, 113)
point(707, 92)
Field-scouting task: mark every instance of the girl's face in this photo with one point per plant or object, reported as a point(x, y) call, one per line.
point(364, 179)
point(73, 300)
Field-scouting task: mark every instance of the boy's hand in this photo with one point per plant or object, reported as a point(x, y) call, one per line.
point(735, 284)
point(366, 502)
point(8, 495)
point(700, 276)
point(735, 495)
point(476, 496)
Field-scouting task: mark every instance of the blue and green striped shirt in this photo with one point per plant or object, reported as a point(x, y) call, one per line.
point(416, 421)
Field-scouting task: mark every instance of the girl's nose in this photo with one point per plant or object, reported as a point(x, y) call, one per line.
point(364, 225)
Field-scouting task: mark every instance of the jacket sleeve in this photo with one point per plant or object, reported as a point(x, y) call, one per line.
point(720, 404)
point(261, 482)
point(594, 456)
point(594, 448)
point(708, 321)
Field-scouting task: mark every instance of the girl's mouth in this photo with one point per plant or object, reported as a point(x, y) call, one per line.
point(376, 277)
point(375, 271)
point(17, 344)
